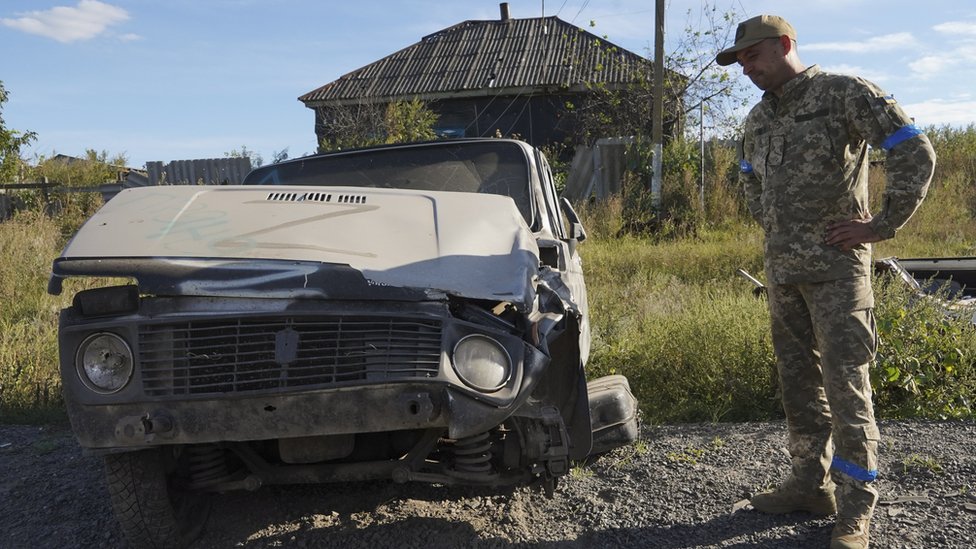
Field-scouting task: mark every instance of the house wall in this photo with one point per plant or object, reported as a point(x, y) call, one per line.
point(538, 119)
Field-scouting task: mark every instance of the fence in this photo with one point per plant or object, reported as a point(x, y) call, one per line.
point(8, 203)
point(597, 171)
point(209, 171)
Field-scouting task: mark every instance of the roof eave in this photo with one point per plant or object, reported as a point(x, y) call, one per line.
point(529, 91)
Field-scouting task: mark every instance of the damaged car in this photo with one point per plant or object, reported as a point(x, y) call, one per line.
point(950, 280)
point(406, 312)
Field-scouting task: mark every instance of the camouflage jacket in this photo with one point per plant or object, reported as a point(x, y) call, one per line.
point(805, 165)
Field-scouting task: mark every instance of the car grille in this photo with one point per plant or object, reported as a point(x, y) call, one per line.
point(239, 355)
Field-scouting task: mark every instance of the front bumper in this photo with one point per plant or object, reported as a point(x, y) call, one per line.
point(261, 417)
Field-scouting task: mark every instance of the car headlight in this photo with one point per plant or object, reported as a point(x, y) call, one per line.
point(104, 362)
point(482, 363)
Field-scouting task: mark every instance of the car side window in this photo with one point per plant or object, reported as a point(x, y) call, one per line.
point(553, 210)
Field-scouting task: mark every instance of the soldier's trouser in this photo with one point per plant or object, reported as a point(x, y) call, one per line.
point(825, 339)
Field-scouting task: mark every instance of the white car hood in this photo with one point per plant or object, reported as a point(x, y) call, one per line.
point(471, 245)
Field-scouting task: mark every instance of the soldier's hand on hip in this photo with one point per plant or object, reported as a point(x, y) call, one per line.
point(848, 234)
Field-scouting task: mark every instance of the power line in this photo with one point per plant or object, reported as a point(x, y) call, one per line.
point(561, 7)
point(583, 7)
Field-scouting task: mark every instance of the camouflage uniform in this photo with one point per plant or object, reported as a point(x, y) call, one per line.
point(805, 166)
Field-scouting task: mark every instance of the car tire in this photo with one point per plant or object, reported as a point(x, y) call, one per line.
point(149, 503)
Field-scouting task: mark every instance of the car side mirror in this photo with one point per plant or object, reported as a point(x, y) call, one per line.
point(576, 230)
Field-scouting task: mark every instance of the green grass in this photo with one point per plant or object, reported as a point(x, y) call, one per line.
point(681, 325)
point(922, 462)
point(695, 345)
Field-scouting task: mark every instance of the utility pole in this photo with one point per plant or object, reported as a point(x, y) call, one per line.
point(657, 112)
point(701, 153)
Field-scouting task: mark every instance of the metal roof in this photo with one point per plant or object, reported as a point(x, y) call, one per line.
point(480, 58)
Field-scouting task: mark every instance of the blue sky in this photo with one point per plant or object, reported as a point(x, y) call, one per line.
point(185, 79)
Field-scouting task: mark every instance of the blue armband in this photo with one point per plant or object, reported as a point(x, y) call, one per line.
point(853, 470)
point(745, 166)
point(903, 133)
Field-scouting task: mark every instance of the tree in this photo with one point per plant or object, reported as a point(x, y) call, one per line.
point(255, 157)
point(707, 84)
point(694, 85)
point(408, 121)
point(94, 168)
point(91, 170)
point(692, 79)
point(11, 142)
point(367, 124)
point(350, 126)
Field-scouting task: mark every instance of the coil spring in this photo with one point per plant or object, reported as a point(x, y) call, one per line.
point(207, 465)
point(473, 454)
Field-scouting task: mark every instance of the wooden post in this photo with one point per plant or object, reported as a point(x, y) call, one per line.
point(45, 195)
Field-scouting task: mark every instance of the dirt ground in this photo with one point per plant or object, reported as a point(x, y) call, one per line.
point(684, 486)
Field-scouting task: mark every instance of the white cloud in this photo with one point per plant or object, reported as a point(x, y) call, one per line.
point(68, 24)
point(885, 42)
point(130, 37)
point(956, 27)
point(854, 70)
point(931, 65)
point(960, 60)
point(966, 53)
point(940, 112)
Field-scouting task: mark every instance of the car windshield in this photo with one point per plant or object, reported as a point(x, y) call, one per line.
point(495, 167)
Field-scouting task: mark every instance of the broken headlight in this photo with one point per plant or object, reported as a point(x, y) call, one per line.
point(104, 362)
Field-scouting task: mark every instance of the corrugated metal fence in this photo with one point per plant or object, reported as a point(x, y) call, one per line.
point(597, 171)
point(208, 171)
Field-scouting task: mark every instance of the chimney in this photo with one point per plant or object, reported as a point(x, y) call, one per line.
point(504, 9)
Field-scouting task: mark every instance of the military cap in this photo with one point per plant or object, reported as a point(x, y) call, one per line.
point(754, 31)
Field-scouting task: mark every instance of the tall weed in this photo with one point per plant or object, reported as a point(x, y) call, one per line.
point(943, 226)
point(691, 354)
point(30, 382)
point(956, 150)
point(28, 243)
point(29, 379)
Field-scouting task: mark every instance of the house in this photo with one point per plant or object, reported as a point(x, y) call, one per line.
point(534, 78)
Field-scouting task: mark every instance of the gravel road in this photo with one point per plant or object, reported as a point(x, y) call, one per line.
point(682, 486)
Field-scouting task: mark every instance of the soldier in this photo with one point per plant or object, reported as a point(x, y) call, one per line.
point(805, 176)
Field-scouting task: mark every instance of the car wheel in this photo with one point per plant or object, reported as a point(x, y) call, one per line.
point(150, 502)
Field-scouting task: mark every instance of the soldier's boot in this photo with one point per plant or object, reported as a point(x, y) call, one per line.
point(791, 497)
point(850, 533)
point(857, 500)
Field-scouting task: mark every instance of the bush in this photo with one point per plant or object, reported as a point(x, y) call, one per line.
point(926, 364)
point(686, 207)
